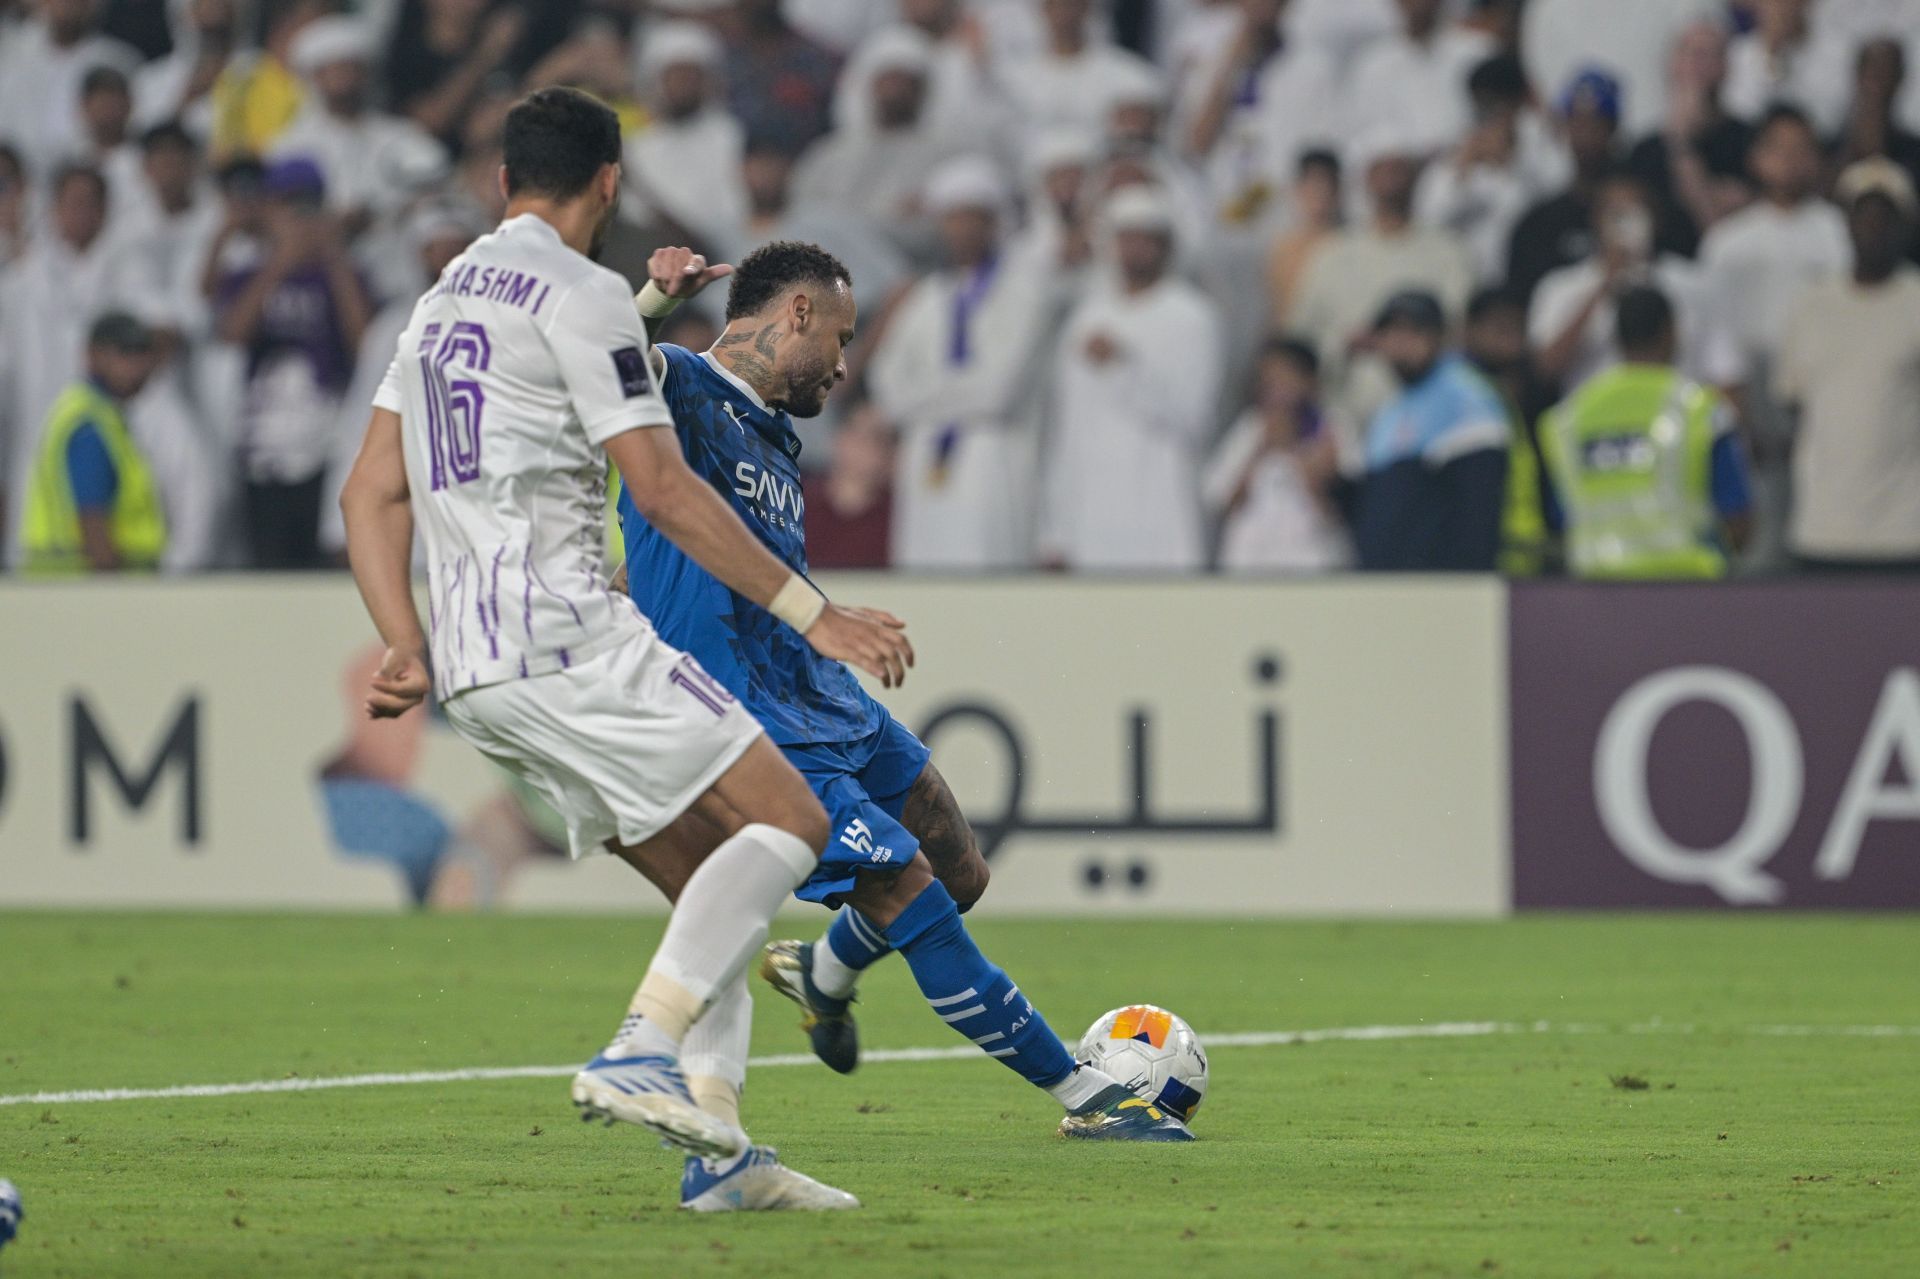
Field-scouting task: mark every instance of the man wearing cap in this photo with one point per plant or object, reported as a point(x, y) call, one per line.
point(1850, 361)
point(1558, 231)
point(1436, 454)
point(1136, 404)
point(299, 314)
point(91, 503)
point(685, 163)
point(958, 374)
point(879, 166)
point(1647, 465)
point(362, 154)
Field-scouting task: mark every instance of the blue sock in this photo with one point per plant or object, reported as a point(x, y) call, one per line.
point(970, 994)
point(855, 942)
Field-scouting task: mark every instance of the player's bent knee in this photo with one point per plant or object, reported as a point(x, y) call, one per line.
point(967, 879)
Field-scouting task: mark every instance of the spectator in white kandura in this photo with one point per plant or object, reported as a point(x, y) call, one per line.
point(157, 250)
point(1416, 79)
point(1060, 201)
point(363, 155)
point(958, 375)
point(1066, 81)
point(685, 164)
point(41, 67)
point(962, 103)
point(1349, 279)
point(1135, 396)
point(877, 266)
point(879, 167)
point(1571, 321)
point(179, 85)
point(1780, 60)
point(1758, 261)
point(1270, 477)
point(1507, 162)
point(51, 294)
point(1851, 361)
point(1257, 107)
point(106, 110)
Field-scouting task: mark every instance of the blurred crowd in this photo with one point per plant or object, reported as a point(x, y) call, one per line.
point(1618, 289)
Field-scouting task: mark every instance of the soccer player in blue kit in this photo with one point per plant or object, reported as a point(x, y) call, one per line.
point(902, 863)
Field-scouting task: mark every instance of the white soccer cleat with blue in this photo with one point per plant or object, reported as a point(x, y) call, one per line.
point(756, 1182)
point(651, 1092)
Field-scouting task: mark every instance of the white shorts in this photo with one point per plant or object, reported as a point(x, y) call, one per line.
point(620, 744)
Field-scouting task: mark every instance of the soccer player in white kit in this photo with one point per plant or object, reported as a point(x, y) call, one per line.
point(523, 369)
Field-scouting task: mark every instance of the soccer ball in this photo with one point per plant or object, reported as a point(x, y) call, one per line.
point(1152, 1052)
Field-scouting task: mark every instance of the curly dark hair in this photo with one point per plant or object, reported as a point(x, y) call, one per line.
point(764, 273)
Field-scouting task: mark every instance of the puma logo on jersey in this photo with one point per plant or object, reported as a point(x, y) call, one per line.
point(765, 489)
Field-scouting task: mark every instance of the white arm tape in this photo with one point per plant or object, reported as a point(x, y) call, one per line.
point(653, 301)
point(798, 604)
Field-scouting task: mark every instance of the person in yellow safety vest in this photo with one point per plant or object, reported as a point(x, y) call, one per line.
point(1650, 475)
point(91, 502)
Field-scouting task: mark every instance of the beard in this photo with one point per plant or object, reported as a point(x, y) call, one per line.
point(809, 383)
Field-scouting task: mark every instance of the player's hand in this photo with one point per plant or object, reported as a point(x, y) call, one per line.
point(1101, 348)
point(874, 641)
point(680, 273)
point(400, 684)
point(618, 582)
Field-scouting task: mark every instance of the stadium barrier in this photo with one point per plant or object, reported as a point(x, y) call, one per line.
point(1336, 747)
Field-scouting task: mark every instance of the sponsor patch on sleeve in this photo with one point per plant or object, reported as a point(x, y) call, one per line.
point(630, 362)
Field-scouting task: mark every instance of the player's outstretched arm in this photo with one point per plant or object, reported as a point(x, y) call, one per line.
point(679, 504)
point(674, 274)
point(380, 547)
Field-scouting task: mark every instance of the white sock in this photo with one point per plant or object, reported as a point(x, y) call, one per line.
point(830, 972)
point(714, 1053)
point(1079, 1088)
point(718, 925)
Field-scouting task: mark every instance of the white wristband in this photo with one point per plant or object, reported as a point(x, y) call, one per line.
point(654, 302)
point(798, 604)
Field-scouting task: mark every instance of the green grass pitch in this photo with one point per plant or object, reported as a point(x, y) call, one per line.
point(1656, 1126)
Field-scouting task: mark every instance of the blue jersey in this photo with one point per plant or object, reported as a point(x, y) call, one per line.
point(750, 455)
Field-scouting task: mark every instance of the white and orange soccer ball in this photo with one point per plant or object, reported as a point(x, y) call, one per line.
point(1152, 1052)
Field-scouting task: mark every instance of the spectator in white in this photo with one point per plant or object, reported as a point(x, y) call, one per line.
point(685, 164)
point(299, 313)
point(1343, 29)
point(1851, 361)
point(1571, 321)
point(1505, 164)
point(1695, 165)
point(878, 268)
point(1435, 486)
point(1136, 389)
point(157, 249)
point(1759, 260)
point(40, 75)
point(1416, 80)
point(1631, 38)
point(1067, 81)
point(1060, 200)
point(879, 167)
point(1558, 231)
point(1348, 280)
point(958, 375)
point(179, 85)
point(1781, 61)
point(51, 295)
point(962, 103)
point(1253, 110)
point(1270, 479)
point(439, 233)
point(363, 155)
point(1873, 128)
point(106, 110)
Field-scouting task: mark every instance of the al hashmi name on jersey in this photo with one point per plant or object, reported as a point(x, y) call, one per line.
point(490, 284)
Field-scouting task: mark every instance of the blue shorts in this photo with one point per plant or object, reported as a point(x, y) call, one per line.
point(863, 786)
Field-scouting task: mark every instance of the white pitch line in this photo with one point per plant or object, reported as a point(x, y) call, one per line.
point(1238, 1039)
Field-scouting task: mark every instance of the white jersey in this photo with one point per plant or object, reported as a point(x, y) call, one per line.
point(521, 361)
